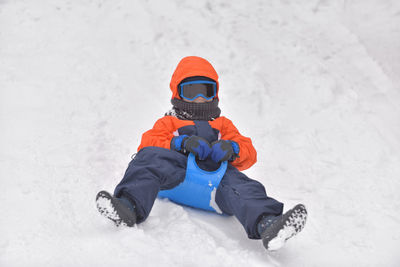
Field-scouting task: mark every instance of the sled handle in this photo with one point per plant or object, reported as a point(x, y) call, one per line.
point(192, 165)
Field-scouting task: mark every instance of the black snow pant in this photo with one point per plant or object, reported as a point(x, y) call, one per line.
point(154, 169)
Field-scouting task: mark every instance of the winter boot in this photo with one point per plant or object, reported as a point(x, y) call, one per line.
point(118, 210)
point(276, 230)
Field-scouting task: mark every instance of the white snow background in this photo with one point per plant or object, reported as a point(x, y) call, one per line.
point(315, 84)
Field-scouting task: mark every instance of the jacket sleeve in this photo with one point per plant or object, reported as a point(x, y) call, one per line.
point(247, 153)
point(160, 135)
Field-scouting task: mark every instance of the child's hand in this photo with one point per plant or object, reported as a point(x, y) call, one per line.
point(199, 146)
point(177, 142)
point(223, 150)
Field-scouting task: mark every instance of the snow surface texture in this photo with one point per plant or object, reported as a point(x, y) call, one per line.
point(315, 84)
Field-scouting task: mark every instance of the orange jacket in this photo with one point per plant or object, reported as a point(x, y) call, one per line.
point(167, 127)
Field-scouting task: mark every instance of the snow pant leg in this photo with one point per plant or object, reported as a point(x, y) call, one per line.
point(152, 170)
point(246, 199)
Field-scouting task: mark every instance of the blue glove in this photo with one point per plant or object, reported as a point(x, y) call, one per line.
point(223, 150)
point(177, 142)
point(199, 146)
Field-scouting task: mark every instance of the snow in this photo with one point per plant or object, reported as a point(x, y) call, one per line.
point(214, 204)
point(279, 241)
point(315, 84)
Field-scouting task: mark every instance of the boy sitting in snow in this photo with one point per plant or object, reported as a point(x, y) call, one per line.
point(194, 126)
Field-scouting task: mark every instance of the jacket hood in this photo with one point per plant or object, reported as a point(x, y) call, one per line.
point(189, 67)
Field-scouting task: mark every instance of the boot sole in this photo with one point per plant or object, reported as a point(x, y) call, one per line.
point(291, 223)
point(112, 209)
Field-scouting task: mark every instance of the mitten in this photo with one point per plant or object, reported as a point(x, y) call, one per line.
point(199, 146)
point(223, 150)
point(177, 142)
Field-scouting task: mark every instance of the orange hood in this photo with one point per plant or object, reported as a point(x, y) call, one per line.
point(189, 67)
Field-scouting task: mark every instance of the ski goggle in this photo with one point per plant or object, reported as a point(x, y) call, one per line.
point(194, 89)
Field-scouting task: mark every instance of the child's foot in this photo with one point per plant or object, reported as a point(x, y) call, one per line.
point(115, 209)
point(283, 227)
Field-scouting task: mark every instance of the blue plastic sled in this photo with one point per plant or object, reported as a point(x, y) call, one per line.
point(199, 187)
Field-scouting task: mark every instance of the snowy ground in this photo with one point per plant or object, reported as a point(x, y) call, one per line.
point(314, 83)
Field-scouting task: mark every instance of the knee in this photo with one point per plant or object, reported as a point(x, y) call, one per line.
point(158, 156)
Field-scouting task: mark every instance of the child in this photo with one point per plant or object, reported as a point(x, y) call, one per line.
point(194, 125)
